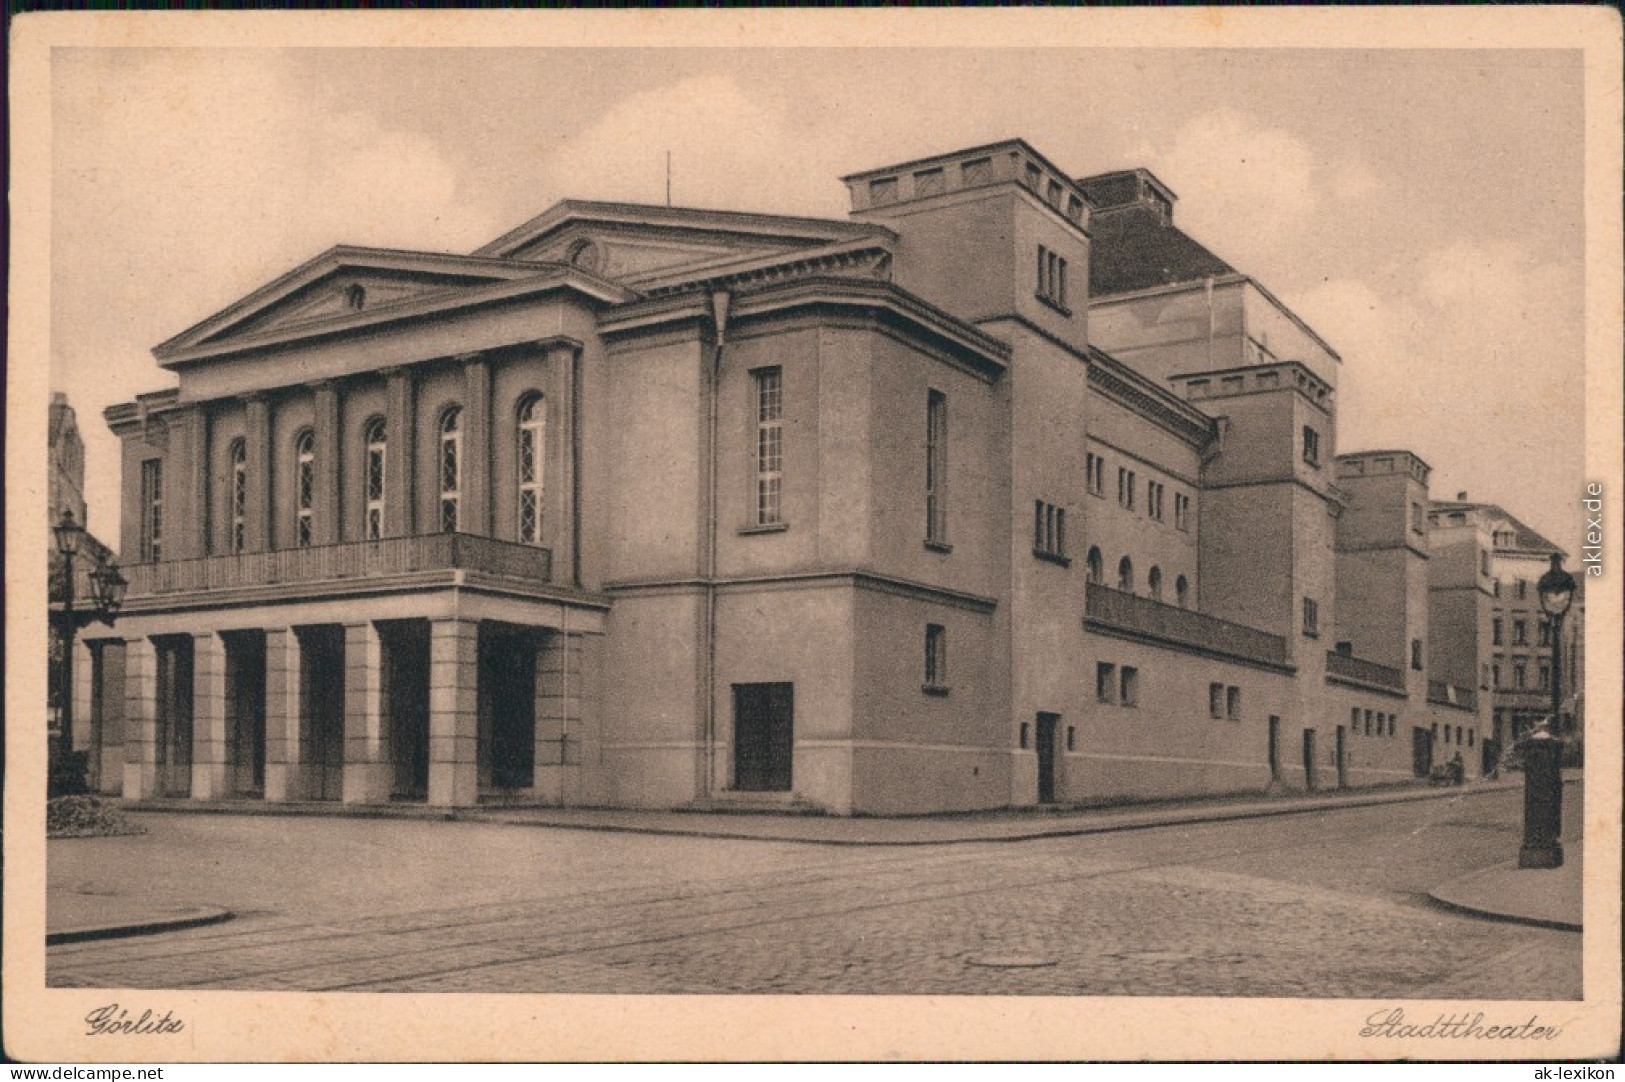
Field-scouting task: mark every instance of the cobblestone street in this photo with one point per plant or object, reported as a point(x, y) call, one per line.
point(1327, 904)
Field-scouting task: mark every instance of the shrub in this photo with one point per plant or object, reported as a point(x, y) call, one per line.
point(86, 817)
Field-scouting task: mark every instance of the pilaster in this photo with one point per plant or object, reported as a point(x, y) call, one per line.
point(368, 772)
point(84, 662)
point(454, 713)
point(476, 484)
point(258, 526)
point(140, 719)
point(326, 496)
point(562, 366)
point(285, 772)
point(401, 424)
point(189, 447)
point(209, 745)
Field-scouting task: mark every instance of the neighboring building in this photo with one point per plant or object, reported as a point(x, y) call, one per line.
point(1516, 646)
point(65, 492)
point(1003, 491)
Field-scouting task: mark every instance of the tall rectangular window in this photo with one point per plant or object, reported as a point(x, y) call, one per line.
point(936, 467)
point(769, 446)
point(1311, 446)
point(1232, 703)
point(1125, 487)
point(1096, 468)
point(1311, 617)
point(152, 510)
point(936, 657)
point(1495, 631)
point(1051, 278)
point(1153, 499)
point(1416, 654)
point(1130, 684)
point(1215, 700)
point(1049, 530)
point(1182, 511)
point(1520, 633)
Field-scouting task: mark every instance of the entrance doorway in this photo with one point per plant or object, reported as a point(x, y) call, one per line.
point(174, 715)
point(1047, 724)
point(405, 648)
point(1342, 759)
point(1421, 752)
point(764, 737)
point(245, 705)
point(507, 695)
point(321, 697)
point(1309, 781)
point(1275, 748)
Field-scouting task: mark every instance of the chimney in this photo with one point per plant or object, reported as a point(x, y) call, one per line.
point(1461, 497)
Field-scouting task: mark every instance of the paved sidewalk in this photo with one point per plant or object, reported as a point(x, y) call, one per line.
point(76, 918)
point(1545, 897)
point(994, 826)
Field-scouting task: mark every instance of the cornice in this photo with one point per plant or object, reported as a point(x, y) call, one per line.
point(1128, 388)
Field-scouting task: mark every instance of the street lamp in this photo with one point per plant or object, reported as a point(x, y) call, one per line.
point(107, 588)
point(1542, 753)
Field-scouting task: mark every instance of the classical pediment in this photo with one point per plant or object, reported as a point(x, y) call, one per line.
point(629, 243)
point(351, 284)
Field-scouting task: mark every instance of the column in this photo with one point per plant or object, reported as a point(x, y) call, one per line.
point(258, 526)
point(368, 772)
point(140, 719)
point(476, 483)
point(454, 665)
point(209, 744)
point(401, 418)
point(284, 756)
point(328, 448)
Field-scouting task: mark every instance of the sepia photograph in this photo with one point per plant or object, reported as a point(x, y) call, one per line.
point(1119, 514)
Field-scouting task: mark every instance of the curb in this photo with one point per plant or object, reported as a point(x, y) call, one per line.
point(1441, 896)
point(199, 917)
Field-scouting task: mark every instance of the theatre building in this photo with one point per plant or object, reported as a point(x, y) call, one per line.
point(1000, 491)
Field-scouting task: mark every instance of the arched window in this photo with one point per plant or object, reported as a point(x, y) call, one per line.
point(532, 417)
point(1181, 591)
point(304, 449)
point(1154, 582)
point(1125, 575)
point(1097, 567)
point(239, 494)
point(451, 467)
point(377, 445)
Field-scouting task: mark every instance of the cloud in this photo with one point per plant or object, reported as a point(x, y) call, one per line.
point(728, 149)
point(1249, 189)
point(1473, 358)
point(184, 180)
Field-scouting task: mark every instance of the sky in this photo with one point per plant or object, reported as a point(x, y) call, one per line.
point(1421, 209)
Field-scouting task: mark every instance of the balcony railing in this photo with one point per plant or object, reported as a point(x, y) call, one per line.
point(1447, 694)
point(355, 560)
point(1181, 627)
point(1367, 672)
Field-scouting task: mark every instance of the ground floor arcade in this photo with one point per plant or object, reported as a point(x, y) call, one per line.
point(446, 709)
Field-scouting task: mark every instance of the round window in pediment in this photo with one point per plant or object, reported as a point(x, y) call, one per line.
point(586, 255)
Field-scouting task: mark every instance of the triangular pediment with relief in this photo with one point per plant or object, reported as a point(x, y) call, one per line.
point(348, 283)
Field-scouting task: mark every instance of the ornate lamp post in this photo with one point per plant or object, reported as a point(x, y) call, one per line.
point(1542, 754)
point(107, 587)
